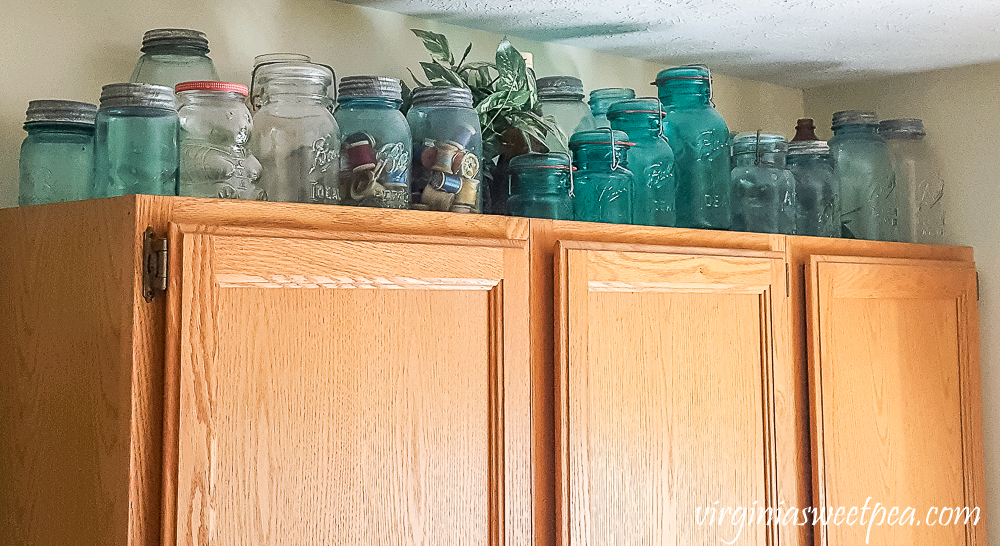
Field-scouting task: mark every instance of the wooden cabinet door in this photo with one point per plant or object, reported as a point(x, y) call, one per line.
point(345, 388)
point(895, 400)
point(666, 360)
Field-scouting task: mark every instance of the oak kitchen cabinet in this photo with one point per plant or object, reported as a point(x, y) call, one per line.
point(356, 376)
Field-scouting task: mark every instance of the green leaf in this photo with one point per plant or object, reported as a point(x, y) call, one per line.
point(439, 74)
point(436, 44)
point(464, 56)
point(407, 98)
point(519, 98)
point(492, 103)
point(533, 89)
point(415, 80)
point(510, 65)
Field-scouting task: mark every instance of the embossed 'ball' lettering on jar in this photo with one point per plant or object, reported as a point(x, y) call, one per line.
point(602, 185)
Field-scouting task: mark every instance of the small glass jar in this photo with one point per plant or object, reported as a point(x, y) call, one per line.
point(57, 155)
point(602, 184)
point(375, 154)
point(919, 185)
point(255, 100)
point(763, 198)
point(295, 137)
point(651, 161)
point(601, 99)
point(136, 141)
point(805, 130)
point(562, 98)
point(863, 169)
point(447, 151)
point(817, 201)
point(541, 186)
point(215, 130)
point(700, 140)
point(173, 55)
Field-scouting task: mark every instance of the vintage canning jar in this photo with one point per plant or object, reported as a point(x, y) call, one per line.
point(763, 198)
point(817, 210)
point(57, 155)
point(174, 55)
point(863, 170)
point(651, 161)
point(541, 186)
point(601, 99)
point(919, 185)
point(602, 184)
point(562, 98)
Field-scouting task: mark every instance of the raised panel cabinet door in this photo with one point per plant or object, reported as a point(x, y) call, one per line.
point(346, 388)
point(894, 362)
point(666, 363)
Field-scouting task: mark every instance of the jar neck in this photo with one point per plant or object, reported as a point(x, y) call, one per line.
point(765, 159)
point(598, 157)
point(686, 94)
point(856, 129)
point(210, 98)
point(540, 180)
point(37, 128)
point(802, 159)
point(179, 51)
point(368, 103)
point(295, 90)
point(644, 126)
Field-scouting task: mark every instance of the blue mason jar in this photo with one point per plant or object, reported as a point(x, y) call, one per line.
point(136, 139)
point(817, 201)
point(699, 138)
point(651, 161)
point(174, 55)
point(763, 198)
point(601, 99)
point(375, 153)
point(863, 169)
point(602, 184)
point(57, 155)
point(541, 186)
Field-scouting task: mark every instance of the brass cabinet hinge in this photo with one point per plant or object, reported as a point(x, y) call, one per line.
point(788, 281)
point(154, 264)
point(977, 285)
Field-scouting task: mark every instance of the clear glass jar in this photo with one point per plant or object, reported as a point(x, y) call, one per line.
point(817, 201)
point(295, 137)
point(375, 154)
point(541, 186)
point(57, 155)
point(447, 151)
point(174, 55)
point(763, 198)
point(215, 130)
point(136, 141)
point(562, 98)
point(700, 140)
point(651, 161)
point(255, 100)
point(602, 184)
point(601, 99)
point(919, 185)
point(864, 175)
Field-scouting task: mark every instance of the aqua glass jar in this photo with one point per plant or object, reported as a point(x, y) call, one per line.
point(375, 154)
point(817, 201)
point(174, 55)
point(699, 138)
point(763, 198)
point(136, 141)
point(651, 161)
point(541, 186)
point(57, 155)
point(562, 98)
point(863, 169)
point(602, 184)
point(295, 137)
point(919, 185)
point(601, 99)
point(448, 147)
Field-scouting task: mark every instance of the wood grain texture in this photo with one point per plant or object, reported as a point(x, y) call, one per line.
point(662, 387)
point(391, 414)
point(895, 399)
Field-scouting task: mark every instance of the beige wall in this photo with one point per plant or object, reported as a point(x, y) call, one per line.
point(69, 48)
point(961, 112)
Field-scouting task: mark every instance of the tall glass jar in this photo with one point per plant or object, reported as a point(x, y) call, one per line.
point(215, 130)
point(540, 186)
point(447, 152)
point(295, 138)
point(562, 98)
point(864, 175)
point(763, 188)
point(256, 89)
point(375, 154)
point(57, 155)
point(651, 161)
point(602, 184)
point(173, 55)
point(919, 186)
point(817, 201)
point(136, 141)
point(699, 138)
point(601, 99)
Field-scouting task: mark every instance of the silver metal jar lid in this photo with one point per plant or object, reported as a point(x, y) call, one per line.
point(370, 86)
point(911, 128)
point(178, 38)
point(552, 87)
point(120, 95)
point(808, 147)
point(61, 111)
point(459, 97)
point(854, 117)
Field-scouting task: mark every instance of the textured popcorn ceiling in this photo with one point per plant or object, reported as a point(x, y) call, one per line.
point(797, 43)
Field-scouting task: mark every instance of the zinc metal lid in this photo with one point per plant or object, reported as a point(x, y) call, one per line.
point(854, 117)
point(808, 147)
point(460, 97)
point(119, 95)
point(695, 72)
point(180, 38)
point(60, 111)
point(534, 160)
point(569, 87)
point(381, 87)
point(902, 128)
point(599, 136)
